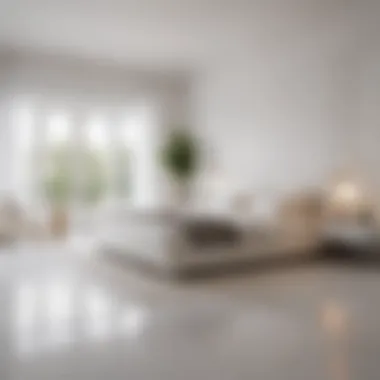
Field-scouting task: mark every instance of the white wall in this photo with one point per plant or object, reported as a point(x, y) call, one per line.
point(367, 133)
point(269, 123)
point(282, 112)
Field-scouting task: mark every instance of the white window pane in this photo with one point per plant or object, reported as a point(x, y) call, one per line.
point(96, 133)
point(144, 154)
point(96, 162)
point(58, 129)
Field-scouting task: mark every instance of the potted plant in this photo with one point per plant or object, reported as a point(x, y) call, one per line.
point(57, 188)
point(180, 158)
point(94, 186)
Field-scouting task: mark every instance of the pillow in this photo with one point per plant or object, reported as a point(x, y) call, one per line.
point(211, 232)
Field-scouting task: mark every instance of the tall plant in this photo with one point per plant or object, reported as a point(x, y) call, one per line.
point(57, 184)
point(94, 172)
point(180, 158)
point(59, 180)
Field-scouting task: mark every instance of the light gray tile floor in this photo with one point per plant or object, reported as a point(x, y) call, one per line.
point(79, 318)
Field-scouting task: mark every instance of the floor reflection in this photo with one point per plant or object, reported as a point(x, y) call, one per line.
point(50, 316)
point(335, 323)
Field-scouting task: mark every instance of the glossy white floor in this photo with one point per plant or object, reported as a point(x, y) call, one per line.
point(77, 318)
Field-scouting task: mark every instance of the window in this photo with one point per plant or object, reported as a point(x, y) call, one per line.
point(122, 161)
point(56, 181)
point(95, 161)
point(60, 159)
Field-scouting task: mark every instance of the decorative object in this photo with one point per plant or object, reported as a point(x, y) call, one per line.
point(347, 194)
point(180, 157)
point(11, 221)
point(16, 224)
point(348, 201)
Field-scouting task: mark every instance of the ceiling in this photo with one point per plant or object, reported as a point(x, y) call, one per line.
point(180, 33)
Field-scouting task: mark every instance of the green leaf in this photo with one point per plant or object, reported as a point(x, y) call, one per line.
point(180, 155)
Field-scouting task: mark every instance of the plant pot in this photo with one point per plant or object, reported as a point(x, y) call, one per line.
point(181, 194)
point(59, 222)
